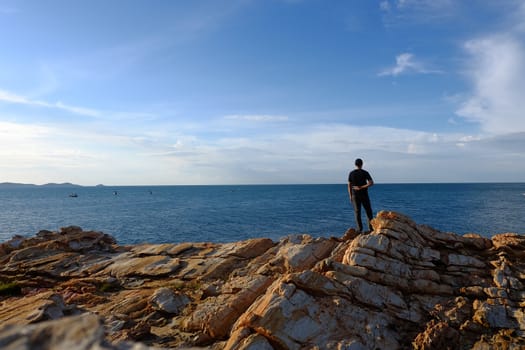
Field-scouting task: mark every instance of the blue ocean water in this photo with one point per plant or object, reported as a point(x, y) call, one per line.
point(230, 213)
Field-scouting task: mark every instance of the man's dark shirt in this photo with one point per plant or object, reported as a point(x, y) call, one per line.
point(359, 177)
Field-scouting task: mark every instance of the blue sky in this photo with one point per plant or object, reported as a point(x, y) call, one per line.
point(158, 92)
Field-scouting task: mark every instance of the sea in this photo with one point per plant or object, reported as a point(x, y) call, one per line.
point(175, 214)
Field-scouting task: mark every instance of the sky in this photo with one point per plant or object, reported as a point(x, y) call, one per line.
point(142, 92)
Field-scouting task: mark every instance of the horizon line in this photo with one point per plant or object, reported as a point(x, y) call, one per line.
point(70, 184)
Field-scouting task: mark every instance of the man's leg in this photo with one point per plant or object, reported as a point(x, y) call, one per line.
point(357, 213)
point(368, 210)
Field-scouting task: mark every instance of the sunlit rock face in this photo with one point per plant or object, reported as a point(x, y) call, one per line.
point(402, 286)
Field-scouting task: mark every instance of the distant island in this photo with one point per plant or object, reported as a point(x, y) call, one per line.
point(52, 185)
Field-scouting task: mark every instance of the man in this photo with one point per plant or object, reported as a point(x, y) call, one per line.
point(358, 182)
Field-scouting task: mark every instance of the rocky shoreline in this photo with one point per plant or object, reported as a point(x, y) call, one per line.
point(403, 286)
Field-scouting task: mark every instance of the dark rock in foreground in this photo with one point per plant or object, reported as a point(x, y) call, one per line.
point(402, 286)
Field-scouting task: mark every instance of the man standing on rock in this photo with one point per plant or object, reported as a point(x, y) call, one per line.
point(358, 182)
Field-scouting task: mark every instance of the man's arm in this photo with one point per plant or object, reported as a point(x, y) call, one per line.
point(369, 183)
point(350, 193)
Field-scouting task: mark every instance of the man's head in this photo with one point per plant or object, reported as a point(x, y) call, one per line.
point(359, 163)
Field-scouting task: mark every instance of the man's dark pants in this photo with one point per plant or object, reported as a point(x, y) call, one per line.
point(363, 200)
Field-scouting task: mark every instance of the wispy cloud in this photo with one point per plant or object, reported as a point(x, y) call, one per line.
point(108, 60)
point(426, 5)
point(498, 78)
point(13, 98)
point(59, 153)
point(401, 11)
point(77, 110)
point(9, 97)
point(257, 117)
point(33, 146)
point(12, 131)
point(385, 6)
point(323, 151)
point(407, 63)
point(495, 68)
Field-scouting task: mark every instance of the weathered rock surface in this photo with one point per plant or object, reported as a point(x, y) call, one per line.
point(84, 332)
point(403, 286)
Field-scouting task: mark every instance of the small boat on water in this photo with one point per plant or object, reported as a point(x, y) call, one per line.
point(74, 195)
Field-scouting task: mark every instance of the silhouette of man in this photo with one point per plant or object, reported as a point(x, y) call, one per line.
point(359, 180)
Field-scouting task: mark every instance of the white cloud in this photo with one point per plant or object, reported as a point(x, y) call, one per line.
point(77, 110)
point(40, 153)
point(404, 62)
point(14, 131)
point(497, 75)
point(407, 63)
point(325, 152)
point(403, 12)
point(319, 153)
point(315, 154)
point(12, 98)
point(9, 97)
point(24, 148)
point(384, 6)
point(426, 6)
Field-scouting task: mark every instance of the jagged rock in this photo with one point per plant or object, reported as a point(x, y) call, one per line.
point(84, 332)
point(165, 299)
point(216, 315)
point(437, 336)
point(34, 308)
point(70, 230)
point(402, 286)
point(300, 252)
